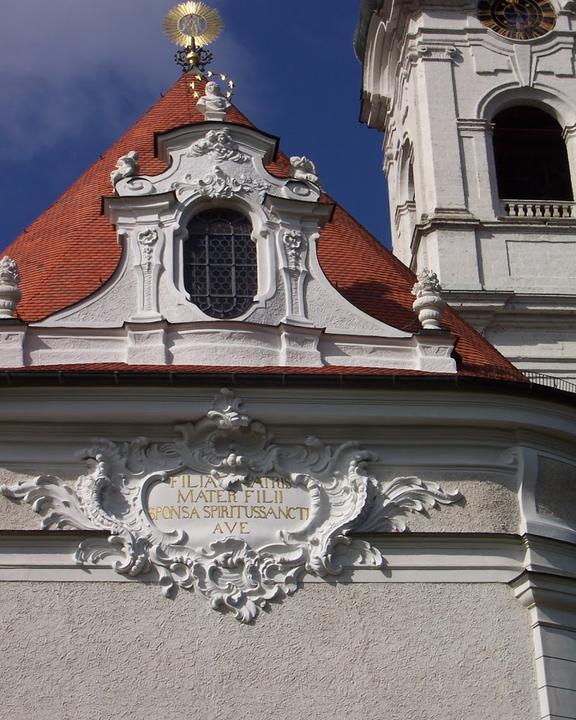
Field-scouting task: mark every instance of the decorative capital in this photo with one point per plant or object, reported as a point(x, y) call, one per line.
point(9, 291)
point(127, 166)
point(429, 304)
point(304, 169)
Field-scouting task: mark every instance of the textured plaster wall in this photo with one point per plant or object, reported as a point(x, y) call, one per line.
point(376, 652)
point(556, 490)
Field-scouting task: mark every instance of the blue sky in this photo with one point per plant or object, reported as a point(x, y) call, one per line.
point(75, 74)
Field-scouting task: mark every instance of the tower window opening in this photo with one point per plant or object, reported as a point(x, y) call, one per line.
point(411, 190)
point(530, 155)
point(220, 263)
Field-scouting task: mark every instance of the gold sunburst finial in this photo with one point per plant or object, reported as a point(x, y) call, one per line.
point(193, 24)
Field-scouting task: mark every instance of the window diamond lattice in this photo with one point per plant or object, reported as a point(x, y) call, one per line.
point(221, 274)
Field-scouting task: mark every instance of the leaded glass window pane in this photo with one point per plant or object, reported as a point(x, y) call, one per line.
point(220, 269)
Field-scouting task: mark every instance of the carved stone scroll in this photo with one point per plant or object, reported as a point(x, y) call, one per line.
point(226, 510)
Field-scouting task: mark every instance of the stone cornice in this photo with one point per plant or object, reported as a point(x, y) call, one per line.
point(415, 557)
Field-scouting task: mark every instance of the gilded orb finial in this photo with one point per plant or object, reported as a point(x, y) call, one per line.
point(193, 25)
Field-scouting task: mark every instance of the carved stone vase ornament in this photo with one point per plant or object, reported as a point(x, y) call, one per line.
point(226, 510)
point(9, 287)
point(429, 303)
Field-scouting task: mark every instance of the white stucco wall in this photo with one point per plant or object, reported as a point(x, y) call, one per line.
point(431, 652)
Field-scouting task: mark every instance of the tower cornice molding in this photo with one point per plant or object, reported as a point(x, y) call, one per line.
point(434, 52)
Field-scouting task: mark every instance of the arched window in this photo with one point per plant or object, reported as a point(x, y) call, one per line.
point(530, 155)
point(220, 269)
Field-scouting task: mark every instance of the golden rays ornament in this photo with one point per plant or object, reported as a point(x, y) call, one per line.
point(193, 24)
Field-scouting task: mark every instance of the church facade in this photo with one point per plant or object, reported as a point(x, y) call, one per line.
point(252, 466)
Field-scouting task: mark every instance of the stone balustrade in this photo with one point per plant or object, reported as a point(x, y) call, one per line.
point(539, 209)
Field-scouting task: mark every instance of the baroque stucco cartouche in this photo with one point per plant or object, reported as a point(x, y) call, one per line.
point(432, 652)
point(489, 504)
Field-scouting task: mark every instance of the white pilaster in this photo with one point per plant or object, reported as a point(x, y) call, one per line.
point(551, 600)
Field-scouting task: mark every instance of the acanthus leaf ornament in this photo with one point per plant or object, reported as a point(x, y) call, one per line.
point(224, 455)
point(388, 503)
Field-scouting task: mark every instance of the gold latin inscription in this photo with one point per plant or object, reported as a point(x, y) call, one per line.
point(199, 497)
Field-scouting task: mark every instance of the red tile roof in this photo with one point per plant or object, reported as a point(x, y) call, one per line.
point(71, 249)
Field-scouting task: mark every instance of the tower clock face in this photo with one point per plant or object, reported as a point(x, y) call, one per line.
point(517, 19)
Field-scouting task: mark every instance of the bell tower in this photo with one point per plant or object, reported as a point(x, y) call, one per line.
point(477, 102)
